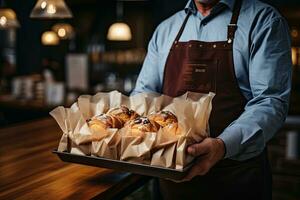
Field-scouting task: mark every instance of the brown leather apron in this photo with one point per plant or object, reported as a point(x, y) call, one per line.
point(200, 66)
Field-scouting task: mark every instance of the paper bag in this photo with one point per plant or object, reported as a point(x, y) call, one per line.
point(164, 148)
point(109, 146)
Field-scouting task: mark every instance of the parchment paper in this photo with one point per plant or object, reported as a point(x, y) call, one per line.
point(163, 148)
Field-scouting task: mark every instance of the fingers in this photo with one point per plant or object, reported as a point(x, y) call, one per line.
point(199, 149)
point(205, 153)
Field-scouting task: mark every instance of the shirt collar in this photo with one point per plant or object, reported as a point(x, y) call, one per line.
point(190, 6)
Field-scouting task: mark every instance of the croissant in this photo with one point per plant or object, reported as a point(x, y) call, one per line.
point(102, 122)
point(123, 113)
point(141, 125)
point(163, 118)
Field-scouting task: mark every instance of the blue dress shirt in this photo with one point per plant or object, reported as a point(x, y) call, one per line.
point(262, 60)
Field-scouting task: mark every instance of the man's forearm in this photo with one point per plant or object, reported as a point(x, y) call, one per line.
point(247, 136)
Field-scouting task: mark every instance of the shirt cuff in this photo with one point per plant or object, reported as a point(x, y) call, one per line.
point(232, 140)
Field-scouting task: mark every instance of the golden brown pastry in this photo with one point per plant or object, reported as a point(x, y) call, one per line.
point(163, 118)
point(123, 113)
point(102, 122)
point(172, 128)
point(141, 125)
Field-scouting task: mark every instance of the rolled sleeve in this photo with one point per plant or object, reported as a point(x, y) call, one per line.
point(270, 82)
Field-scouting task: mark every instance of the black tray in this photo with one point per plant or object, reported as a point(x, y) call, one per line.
point(136, 168)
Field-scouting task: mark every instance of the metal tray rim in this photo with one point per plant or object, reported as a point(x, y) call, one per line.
point(55, 151)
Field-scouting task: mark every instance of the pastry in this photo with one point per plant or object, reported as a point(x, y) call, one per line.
point(141, 125)
point(163, 118)
point(172, 128)
point(104, 121)
point(123, 113)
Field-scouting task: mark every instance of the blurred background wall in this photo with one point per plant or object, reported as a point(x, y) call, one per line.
point(27, 64)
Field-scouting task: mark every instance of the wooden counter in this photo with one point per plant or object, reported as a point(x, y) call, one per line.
point(28, 169)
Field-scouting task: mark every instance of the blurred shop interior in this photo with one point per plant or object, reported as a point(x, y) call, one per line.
point(95, 46)
point(50, 55)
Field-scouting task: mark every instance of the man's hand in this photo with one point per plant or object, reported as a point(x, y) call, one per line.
point(209, 152)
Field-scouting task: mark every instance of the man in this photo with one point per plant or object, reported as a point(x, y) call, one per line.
point(241, 51)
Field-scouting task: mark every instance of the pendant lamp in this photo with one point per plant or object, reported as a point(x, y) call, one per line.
point(8, 17)
point(49, 38)
point(51, 9)
point(119, 31)
point(64, 31)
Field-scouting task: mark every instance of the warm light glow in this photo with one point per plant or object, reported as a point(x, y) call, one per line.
point(61, 32)
point(295, 33)
point(43, 4)
point(294, 55)
point(64, 31)
point(8, 19)
point(50, 38)
point(3, 20)
point(119, 32)
point(51, 9)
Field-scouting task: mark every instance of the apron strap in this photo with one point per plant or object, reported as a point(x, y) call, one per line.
point(232, 27)
point(182, 27)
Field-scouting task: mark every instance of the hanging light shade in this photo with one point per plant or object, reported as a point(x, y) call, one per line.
point(8, 19)
point(119, 32)
point(49, 38)
point(51, 9)
point(64, 31)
